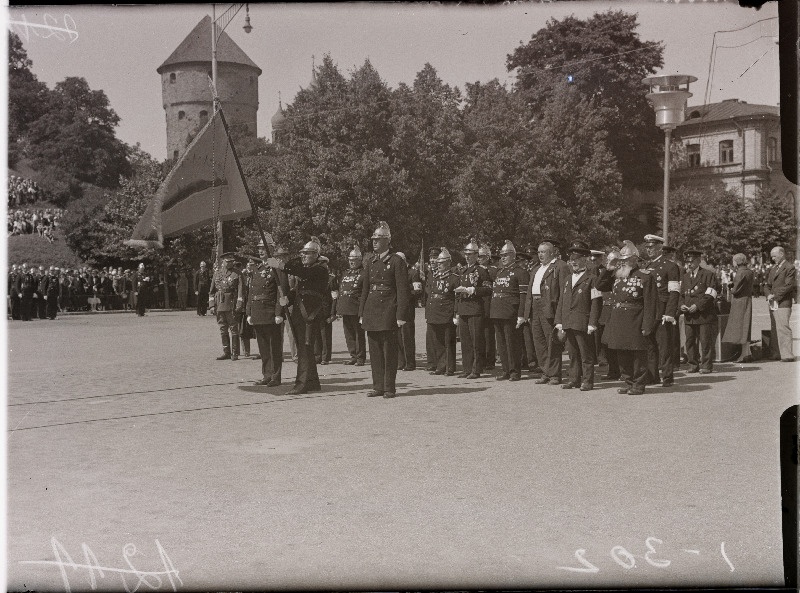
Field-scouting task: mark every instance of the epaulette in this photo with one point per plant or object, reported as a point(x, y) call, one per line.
point(644, 271)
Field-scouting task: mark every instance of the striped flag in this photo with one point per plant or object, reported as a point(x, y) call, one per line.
point(204, 186)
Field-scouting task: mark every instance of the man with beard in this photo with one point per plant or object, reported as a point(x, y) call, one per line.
point(348, 298)
point(633, 316)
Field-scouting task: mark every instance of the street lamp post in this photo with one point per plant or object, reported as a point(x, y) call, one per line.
point(218, 25)
point(668, 95)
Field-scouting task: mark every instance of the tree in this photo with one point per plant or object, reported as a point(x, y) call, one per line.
point(604, 60)
point(76, 136)
point(772, 221)
point(27, 97)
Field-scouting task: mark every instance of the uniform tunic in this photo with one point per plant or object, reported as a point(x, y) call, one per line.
point(262, 308)
point(509, 289)
point(439, 312)
point(470, 311)
point(226, 289)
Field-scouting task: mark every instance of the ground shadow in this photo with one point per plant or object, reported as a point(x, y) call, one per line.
point(441, 391)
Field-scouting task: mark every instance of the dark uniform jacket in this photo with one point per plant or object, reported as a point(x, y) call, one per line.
point(27, 284)
point(414, 280)
point(476, 276)
point(487, 300)
point(781, 283)
point(508, 292)
point(384, 293)
point(552, 282)
point(668, 282)
point(311, 284)
point(701, 291)
point(441, 304)
point(262, 298)
point(52, 287)
point(226, 290)
point(350, 292)
point(202, 281)
point(634, 309)
point(580, 305)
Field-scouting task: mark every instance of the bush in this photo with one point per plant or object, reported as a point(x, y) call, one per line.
point(34, 250)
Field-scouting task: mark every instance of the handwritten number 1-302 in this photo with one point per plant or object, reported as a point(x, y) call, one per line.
point(627, 561)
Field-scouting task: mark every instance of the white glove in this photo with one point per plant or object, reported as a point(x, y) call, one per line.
point(400, 323)
point(283, 301)
point(274, 262)
point(197, 292)
point(591, 329)
point(45, 297)
point(361, 320)
point(559, 326)
point(520, 321)
point(455, 320)
point(249, 320)
point(278, 320)
point(667, 319)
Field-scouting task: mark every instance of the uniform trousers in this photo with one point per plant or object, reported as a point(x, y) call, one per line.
point(442, 339)
point(307, 377)
point(665, 349)
point(509, 345)
point(245, 331)
point(354, 337)
point(52, 307)
point(202, 302)
point(548, 348)
point(780, 317)
point(490, 344)
point(633, 367)
point(270, 346)
point(581, 357)
point(609, 354)
point(703, 334)
point(529, 350)
point(472, 348)
point(141, 304)
point(429, 350)
point(406, 348)
point(41, 306)
point(228, 330)
point(383, 349)
point(15, 308)
point(26, 307)
point(323, 342)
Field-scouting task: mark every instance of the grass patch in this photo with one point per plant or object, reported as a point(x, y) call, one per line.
point(38, 251)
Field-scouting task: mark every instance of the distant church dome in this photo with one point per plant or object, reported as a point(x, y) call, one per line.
point(279, 119)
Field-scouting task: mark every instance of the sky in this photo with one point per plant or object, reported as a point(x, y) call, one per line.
point(118, 48)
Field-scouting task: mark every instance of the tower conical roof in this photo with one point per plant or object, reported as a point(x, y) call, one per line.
point(197, 48)
point(279, 119)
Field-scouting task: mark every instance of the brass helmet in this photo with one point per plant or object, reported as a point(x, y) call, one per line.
point(355, 253)
point(382, 232)
point(485, 250)
point(280, 250)
point(312, 246)
point(628, 251)
point(444, 255)
point(507, 248)
point(472, 246)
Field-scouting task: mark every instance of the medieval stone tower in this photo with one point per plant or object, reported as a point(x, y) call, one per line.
point(186, 86)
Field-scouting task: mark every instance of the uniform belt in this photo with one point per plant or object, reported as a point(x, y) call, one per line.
point(310, 293)
point(506, 294)
point(440, 296)
point(380, 287)
point(628, 306)
point(260, 297)
point(536, 296)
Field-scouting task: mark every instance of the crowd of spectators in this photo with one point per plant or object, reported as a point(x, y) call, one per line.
point(726, 272)
point(31, 221)
point(23, 191)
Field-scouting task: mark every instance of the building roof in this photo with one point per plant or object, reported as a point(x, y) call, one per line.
point(725, 110)
point(197, 48)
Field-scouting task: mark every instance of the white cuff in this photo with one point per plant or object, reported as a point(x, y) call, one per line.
point(674, 286)
point(711, 291)
point(596, 294)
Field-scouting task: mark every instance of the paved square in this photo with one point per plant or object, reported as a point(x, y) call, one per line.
point(131, 449)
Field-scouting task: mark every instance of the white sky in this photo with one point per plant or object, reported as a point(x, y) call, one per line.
point(119, 48)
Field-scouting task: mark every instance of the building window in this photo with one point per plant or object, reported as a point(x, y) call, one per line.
point(693, 152)
point(772, 149)
point(251, 80)
point(181, 114)
point(725, 152)
point(172, 78)
point(175, 155)
point(203, 116)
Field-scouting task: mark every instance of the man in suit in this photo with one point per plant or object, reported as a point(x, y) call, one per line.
point(781, 285)
point(307, 310)
point(541, 302)
point(265, 314)
point(577, 315)
point(141, 290)
point(202, 284)
point(505, 310)
point(698, 295)
point(475, 285)
point(383, 310)
point(348, 297)
point(227, 292)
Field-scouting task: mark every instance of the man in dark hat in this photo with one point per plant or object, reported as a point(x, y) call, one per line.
point(383, 310)
point(227, 293)
point(698, 296)
point(266, 314)
point(632, 317)
point(508, 301)
point(348, 298)
point(202, 284)
point(660, 349)
point(577, 315)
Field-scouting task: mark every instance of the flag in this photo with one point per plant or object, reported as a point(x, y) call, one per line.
point(204, 186)
point(422, 260)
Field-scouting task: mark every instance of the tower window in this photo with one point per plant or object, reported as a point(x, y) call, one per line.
point(772, 149)
point(181, 114)
point(693, 153)
point(175, 154)
point(725, 152)
point(203, 116)
point(251, 80)
point(172, 78)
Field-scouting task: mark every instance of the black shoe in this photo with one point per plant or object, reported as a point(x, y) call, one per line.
point(234, 357)
point(360, 363)
point(225, 356)
point(611, 377)
point(514, 377)
point(633, 391)
point(274, 383)
point(473, 376)
point(542, 381)
point(693, 370)
point(554, 381)
point(503, 377)
point(668, 383)
point(296, 390)
point(262, 382)
point(374, 393)
point(437, 372)
point(389, 395)
point(586, 387)
point(569, 385)
point(410, 368)
point(463, 375)
point(450, 373)
point(350, 362)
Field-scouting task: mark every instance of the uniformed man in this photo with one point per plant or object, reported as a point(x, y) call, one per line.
point(306, 300)
point(202, 284)
point(265, 314)
point(141, 290)
point(577, 315)
point(633, 316)
point(407, 350)
point(226, 291)
point(605, 355)
point(433, 266)
point(440, 315)
point(489, 342)
point(41, 290)
point(698, 296)
point(474, 285)
point(383, 310)
point(547, 280)
point(668, 253)
point(347, 301)
point(246, 331)
point(506, 311)
point(323, 341)
point(52, 292)
point(27, 286)
point(13, 292)
point(660, 351)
